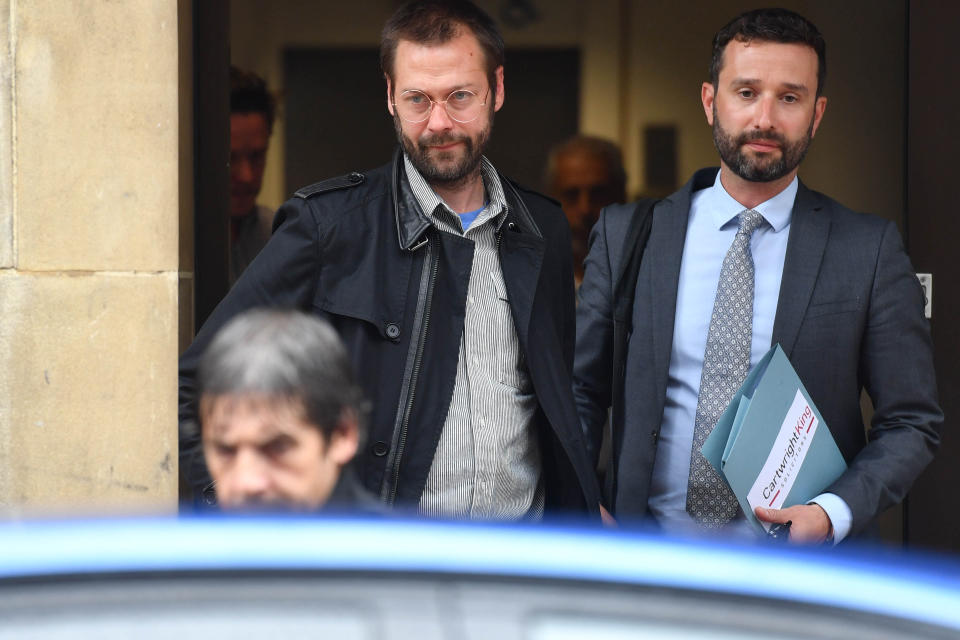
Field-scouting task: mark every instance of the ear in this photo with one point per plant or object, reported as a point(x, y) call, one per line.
point(389, 94)
point(818, 110)
point(707, 96)
point(498, 100)
point(345, 439)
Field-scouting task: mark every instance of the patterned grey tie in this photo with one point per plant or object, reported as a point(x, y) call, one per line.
point(726, 362)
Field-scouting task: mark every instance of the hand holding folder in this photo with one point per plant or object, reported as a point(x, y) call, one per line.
point(771, 444)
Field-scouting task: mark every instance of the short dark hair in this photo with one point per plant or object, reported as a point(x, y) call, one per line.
point(436, 22)
point(770, 25)
point(248, 94)
point(287, 355)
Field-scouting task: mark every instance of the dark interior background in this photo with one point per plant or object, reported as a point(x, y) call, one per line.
point(335, 100)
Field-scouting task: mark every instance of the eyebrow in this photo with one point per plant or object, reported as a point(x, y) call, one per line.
point(799, 88)
point(218, 439)
point(469, 86)
point(790, 86)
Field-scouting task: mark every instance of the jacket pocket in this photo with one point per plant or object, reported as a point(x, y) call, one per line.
point(832, 308)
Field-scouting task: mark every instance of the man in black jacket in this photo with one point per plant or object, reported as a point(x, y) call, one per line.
point(451, 287)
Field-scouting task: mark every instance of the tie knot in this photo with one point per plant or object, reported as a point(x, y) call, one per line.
point(750, 221)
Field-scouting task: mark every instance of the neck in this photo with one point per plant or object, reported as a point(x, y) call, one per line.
point(463, 195)
point(748, 193)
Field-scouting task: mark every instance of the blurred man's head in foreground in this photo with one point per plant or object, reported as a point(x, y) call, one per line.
point(252, 111)
point(585, 174)
point(280, 411)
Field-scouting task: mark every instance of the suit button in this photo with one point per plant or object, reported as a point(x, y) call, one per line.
point(392, 331)
point(355, 177)
point(380, 448)
point(654, 435)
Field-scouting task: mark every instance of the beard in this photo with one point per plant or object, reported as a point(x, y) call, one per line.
point(445, 168)
point(759, 168)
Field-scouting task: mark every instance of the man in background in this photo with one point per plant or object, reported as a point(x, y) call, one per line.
point(281, 415)
point(585, 174)
point(252, 112)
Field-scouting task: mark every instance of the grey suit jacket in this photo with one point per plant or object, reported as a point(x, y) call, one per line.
point(849, 317)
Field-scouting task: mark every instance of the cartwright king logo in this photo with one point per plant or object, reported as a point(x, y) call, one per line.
point(779, 472)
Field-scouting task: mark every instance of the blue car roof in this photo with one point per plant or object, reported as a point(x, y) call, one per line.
point(910, 586)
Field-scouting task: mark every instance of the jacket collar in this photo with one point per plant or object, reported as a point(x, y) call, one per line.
point(412, 222)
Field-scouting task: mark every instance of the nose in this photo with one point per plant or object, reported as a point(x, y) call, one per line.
point(241, 170)
point(248, 481)
point(439, 120)
point(764, 115)
point(578, 205)
point(584, 203)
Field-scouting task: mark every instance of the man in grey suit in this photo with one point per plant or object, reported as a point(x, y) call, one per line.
point(834, 288)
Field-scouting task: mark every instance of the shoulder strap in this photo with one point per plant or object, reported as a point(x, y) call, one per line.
point(352, 179)
point(624, 288)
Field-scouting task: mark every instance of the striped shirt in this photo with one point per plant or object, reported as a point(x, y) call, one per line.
point(487, 463)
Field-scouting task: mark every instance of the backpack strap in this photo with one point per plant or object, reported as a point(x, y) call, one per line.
point(624, 289)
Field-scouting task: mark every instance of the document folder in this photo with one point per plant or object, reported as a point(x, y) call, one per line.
point(771, 444)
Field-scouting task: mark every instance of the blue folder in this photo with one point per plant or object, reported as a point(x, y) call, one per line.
point(798, 458)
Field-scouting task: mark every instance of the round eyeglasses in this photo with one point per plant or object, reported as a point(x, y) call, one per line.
point(461, 105)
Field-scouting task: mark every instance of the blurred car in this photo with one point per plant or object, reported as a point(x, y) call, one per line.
point(352, 578)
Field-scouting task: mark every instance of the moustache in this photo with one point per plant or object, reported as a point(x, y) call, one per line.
point(438, 140)
point(767, 136)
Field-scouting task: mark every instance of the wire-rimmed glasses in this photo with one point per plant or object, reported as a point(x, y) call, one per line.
point(462, 105)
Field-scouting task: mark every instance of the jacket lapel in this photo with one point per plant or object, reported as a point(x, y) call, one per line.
point(521, 257)
point(809, 230)
point(666, 241)
point(665, 253)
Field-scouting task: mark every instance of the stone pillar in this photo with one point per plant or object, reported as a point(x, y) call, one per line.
point(89, 220)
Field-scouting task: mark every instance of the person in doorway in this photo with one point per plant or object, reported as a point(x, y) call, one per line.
point(451, 286)
point(252, 112)
point(744, 257)
point(585, 174)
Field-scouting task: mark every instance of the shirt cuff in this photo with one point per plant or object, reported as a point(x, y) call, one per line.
point(839, 513)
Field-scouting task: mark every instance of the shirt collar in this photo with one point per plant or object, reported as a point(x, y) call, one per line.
point(776, 211)
point(429, 200)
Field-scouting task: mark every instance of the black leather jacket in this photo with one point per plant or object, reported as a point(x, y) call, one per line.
point(358, 251)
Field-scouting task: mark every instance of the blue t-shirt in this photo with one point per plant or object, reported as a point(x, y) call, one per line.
point(466, 219)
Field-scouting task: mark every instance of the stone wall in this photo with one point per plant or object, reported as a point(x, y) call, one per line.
point(89, 218)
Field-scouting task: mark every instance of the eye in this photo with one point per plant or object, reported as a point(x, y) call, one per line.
point(224, 451)
point(415, 99)
point(746, 94)
point(790, 98)
point(278, 446)
point(460, 96)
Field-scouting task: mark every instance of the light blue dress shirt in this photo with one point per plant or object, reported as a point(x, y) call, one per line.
point(710, 232)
